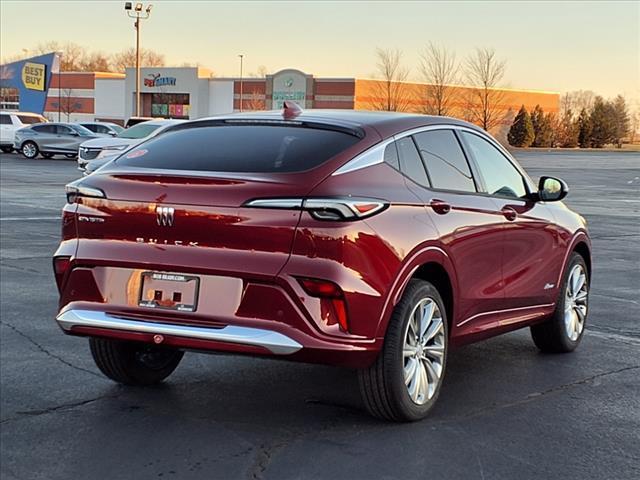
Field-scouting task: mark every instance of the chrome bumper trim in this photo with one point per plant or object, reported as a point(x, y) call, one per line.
point(275, 342)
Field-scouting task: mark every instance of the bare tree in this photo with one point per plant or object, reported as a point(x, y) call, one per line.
point(127, 58)
point(71, 58)
point(440, 71)
point(261, 72)
point(68, 102)
point(486, 101)
point(95, 62)
point(390, 93)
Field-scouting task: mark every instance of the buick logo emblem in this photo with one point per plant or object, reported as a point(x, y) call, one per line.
point(164, 216)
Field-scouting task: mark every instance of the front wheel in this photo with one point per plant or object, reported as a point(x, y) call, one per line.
point(563, 331)
point(29, 150)
point(46, 155)
point(404, 382)
point(133, 363)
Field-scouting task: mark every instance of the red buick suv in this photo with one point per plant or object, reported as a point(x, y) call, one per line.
point(368, 240)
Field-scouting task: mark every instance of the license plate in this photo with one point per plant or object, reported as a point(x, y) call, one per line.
point(171, 291)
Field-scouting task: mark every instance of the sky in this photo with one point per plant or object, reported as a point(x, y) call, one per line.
point(550, 46)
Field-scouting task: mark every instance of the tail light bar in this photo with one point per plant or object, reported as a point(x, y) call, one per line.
point(331, 209)
point(74, 190)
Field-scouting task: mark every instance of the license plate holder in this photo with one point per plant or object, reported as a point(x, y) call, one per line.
point(169, 291)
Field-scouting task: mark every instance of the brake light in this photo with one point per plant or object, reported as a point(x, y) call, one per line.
point(332, 294)
point(331, 209)
point(61, 266)
point(75, 190)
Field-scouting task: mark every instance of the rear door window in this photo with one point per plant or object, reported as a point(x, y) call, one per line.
point(391, 156)
point(410, 161)
point(5, 120)
point(447, 166)
point(240, 148)
point(44, 128)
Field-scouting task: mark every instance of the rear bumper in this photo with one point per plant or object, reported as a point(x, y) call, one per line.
point(275, 342)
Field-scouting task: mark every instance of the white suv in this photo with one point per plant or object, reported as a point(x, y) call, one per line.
point(12, 121)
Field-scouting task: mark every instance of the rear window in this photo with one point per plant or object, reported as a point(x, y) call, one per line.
point(240, 148)
point(29, 119)
point(139, 131)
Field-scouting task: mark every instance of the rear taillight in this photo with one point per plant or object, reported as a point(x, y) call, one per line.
point(61, 267)
point(75, 190)
point(332, 297)
point(332, 209)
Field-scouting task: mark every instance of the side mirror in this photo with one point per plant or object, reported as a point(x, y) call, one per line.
point(113, 134)
point(551, 189)
point(74, 134)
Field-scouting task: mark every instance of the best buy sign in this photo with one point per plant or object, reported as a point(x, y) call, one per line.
point(33, 76)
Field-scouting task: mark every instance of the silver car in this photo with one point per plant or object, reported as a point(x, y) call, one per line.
point(107, 128)
point(49, 139)
point(101, 151)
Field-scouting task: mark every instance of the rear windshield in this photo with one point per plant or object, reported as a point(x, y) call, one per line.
point(240, 148)
point(29, 119)
point(139, 131)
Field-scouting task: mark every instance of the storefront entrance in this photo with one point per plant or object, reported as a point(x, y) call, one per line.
point(167, 105)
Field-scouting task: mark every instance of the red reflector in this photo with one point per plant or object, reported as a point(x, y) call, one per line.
point(341, 313)
point(60, 268)
point(365, 207)
point(320, 288)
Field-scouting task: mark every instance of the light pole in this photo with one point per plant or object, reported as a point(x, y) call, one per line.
point(241, 58)
point(59, 82)
point(137, 13)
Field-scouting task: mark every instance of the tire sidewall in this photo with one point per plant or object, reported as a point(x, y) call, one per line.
point(394, 360)
point(569, 344)
point(37, 150)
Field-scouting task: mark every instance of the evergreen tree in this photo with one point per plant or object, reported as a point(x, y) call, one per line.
point(602, 123)
point(584, 129)
point(621, 120)
point(542, 128)
point(521, 132)
point(567, 131)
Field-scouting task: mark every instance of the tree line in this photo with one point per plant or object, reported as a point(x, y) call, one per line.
point(76, 58)
point(482, 72)
point(597, 123)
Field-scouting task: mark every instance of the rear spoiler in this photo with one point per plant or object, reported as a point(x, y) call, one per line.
point(350, 130)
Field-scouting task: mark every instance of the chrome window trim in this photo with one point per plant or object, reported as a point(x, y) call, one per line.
point(363, 161)
point(372, 156)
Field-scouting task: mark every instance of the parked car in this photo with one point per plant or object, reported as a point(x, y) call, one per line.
point(370, 240)
point(105, 128)
point(132, 121)
point(102, 150)
point(49, 139)
point(10, 122)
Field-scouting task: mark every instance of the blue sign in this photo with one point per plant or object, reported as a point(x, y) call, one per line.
point(31, 77)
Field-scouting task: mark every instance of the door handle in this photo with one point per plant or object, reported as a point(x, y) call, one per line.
point(509, 213)
point(440, 206)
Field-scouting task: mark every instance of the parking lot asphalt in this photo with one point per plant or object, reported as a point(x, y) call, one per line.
point(506, 411)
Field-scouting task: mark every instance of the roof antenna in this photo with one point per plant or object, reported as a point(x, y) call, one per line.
point(290, 109)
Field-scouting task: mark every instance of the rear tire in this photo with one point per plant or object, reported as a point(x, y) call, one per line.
point(564, 330)
point(46, 155)
point(70, 155)
point(29, 150)
point(6, 149)
point(133, 363)
point(404, 382)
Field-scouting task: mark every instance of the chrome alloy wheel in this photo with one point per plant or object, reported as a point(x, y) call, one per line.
point(575, 303)
point(423, 351)
point(29, 150)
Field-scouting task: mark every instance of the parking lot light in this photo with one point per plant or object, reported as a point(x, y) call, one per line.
point(138, 15)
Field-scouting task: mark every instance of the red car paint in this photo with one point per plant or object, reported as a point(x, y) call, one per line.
point(498, 260)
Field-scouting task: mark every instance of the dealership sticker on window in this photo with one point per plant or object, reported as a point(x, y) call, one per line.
point(137, 153)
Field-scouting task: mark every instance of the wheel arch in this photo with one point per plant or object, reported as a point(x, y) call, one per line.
point(584, 250)
point(430, 263)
